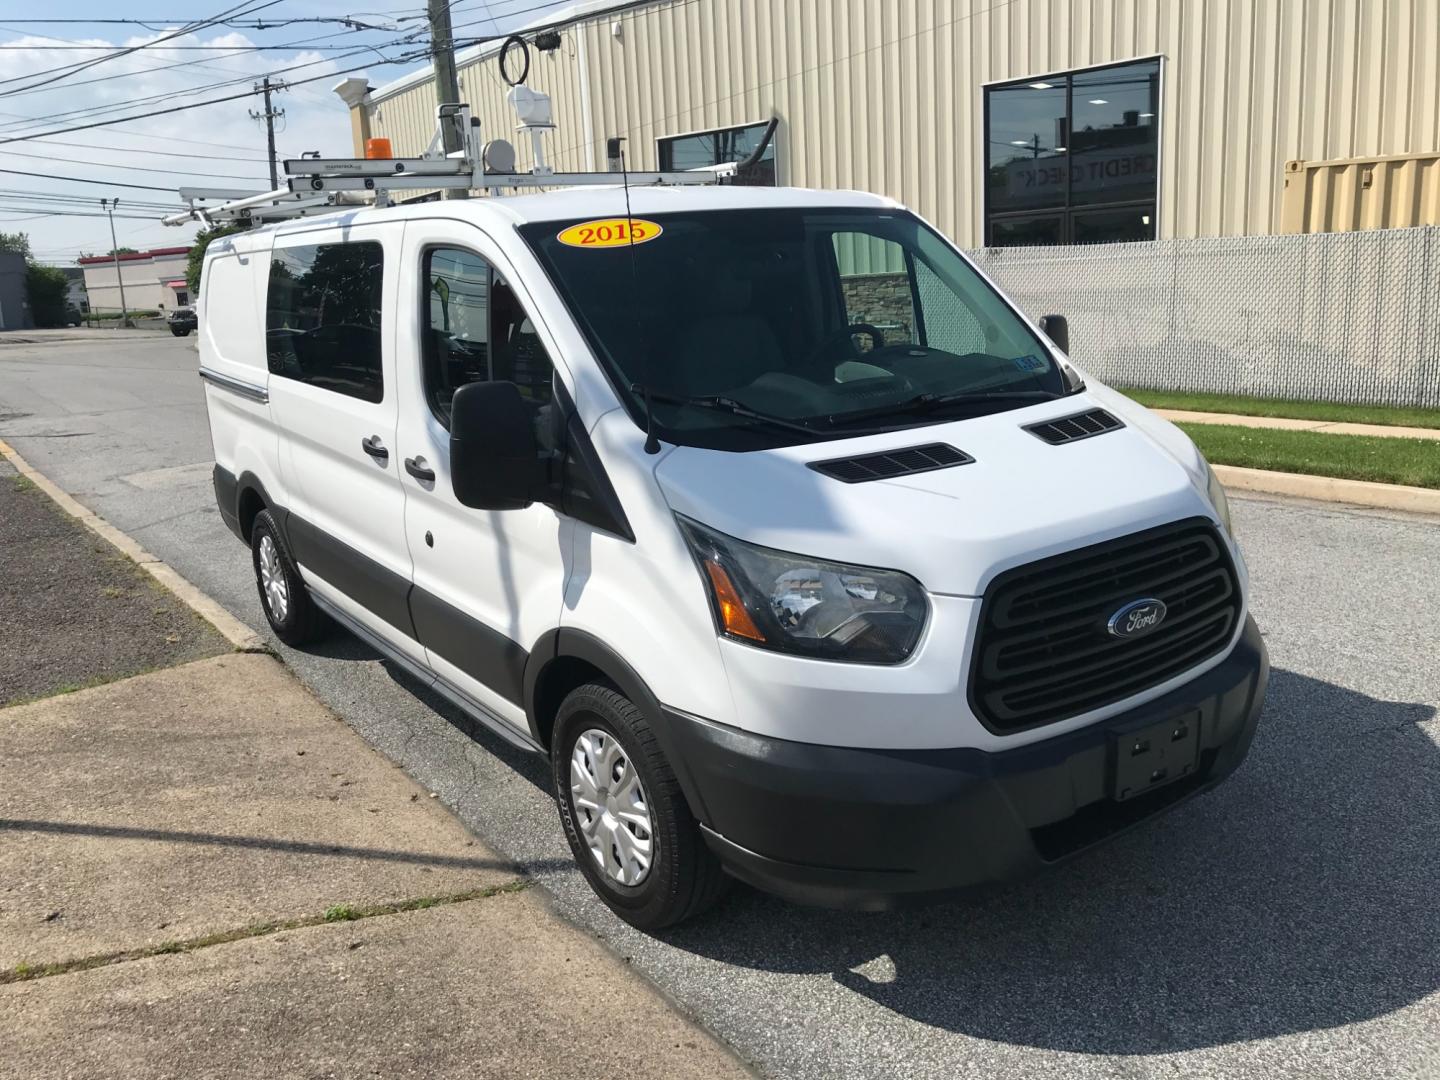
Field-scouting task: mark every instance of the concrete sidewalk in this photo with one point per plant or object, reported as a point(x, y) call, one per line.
point(1325, 427)
point(204, 873)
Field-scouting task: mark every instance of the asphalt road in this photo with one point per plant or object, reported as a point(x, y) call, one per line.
point(1287, 924)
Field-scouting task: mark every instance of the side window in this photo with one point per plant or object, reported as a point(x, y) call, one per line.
point(875, 285)
point(474, 329)
point(950, 324)
point(322, 317)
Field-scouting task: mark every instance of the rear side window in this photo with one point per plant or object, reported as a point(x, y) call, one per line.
point(322, 317)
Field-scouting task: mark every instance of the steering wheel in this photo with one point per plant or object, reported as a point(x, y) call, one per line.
point(874, 333)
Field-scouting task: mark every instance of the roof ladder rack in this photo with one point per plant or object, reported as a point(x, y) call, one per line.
point(325, 185)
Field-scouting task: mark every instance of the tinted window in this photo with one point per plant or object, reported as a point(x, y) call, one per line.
point(322, 317)
point(1061, 146)
point(731, 310)
point(684, 152)
point(475, 330)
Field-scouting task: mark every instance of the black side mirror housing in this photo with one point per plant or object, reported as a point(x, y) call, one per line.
point(1057, 329)
point(494, 457)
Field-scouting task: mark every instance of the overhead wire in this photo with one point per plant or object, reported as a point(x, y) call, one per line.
point(70, 69)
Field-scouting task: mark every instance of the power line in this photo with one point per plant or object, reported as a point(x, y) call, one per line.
point(135, 168)
point(238, 23)
point(168, 95)
point(71, 69)
point(81, 180)
point(173, 48)
point(160, 67)
point(196, 104)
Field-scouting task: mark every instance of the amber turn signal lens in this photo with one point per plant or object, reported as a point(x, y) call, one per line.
point(736, 619)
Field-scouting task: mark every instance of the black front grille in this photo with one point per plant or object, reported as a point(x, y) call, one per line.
point(1044, 653)
point(1068, 429)
point(892, 463)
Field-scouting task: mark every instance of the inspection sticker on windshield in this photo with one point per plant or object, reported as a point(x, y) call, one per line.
point(609, 233)
point(1029, 363)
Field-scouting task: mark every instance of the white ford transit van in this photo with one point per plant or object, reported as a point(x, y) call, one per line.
point(804, 556)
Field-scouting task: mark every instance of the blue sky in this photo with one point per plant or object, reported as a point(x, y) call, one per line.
point(217, 145)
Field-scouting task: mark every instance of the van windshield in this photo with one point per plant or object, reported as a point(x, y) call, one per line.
point(756, 328)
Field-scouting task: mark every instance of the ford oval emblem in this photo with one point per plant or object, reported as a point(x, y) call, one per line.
point(1137, 617)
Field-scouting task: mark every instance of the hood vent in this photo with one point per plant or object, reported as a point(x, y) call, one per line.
point(893, 463)
point(1068, 429)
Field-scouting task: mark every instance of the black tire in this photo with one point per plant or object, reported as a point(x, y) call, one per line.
point(302, 621)
point(179, 332)
point(685, 877)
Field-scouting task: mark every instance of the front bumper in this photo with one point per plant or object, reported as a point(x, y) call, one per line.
point(861, 828)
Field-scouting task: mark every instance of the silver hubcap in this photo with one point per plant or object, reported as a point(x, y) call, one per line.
point(610, 808)
point(272, 580)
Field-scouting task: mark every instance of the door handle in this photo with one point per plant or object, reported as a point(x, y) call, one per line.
point(375, 448)
point(417, 468)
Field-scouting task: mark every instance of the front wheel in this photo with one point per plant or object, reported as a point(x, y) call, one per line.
point(179, 332)
point(625, 817)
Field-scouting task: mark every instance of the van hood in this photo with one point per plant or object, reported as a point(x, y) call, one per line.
point(955, 528)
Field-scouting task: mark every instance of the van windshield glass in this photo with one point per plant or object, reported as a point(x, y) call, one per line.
point(757, 328)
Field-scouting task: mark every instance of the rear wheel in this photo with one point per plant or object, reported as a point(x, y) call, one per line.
point(287, 604)
point(626, 819)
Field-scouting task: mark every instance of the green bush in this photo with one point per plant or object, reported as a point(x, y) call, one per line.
point(46, 287)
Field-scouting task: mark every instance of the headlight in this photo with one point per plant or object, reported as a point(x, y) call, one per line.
point(830, 611)
point(1216, 491)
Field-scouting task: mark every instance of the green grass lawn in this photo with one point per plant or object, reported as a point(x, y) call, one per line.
point(1415, 462)
point(1295, 410)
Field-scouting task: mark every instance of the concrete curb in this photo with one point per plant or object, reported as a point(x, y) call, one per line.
point(1330, 489)
point(1280, 423)
point(230, 628)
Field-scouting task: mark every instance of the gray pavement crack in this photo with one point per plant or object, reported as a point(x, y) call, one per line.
point(339, 913)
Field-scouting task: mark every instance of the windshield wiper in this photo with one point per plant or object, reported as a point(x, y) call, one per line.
point(922, 403)
point(730, 406)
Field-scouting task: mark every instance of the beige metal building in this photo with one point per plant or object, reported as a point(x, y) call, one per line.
point(1003, 121)
point(154, 280)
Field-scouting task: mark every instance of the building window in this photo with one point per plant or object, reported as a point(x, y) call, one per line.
point(1071, 158)
point(699, 150)
point(322, 317)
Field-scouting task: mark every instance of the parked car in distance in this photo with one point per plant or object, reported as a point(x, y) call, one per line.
point(805, 557)
point(182, 320)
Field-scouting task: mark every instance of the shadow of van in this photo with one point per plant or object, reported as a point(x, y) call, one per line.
point(1299, 895)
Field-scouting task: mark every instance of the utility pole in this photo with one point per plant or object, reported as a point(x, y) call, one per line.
point(269, 116)
point(109, 205)
point(447, 85)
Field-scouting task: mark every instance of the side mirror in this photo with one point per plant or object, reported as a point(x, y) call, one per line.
point(494, 458)
point(1057, 330)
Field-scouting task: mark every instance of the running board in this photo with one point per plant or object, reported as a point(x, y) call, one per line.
point(457, 697)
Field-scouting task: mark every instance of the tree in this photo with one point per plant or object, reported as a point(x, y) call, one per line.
point(196, 259)
point(122, 251)
point(17, 241)
point(47, 289)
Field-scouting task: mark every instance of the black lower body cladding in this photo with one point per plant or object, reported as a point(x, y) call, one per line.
point(862, 828)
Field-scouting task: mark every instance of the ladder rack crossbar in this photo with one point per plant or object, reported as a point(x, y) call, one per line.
point(325, 185)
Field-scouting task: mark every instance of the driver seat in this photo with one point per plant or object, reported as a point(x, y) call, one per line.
point(725, 349)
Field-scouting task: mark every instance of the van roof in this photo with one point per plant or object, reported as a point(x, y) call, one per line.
point(600, 201)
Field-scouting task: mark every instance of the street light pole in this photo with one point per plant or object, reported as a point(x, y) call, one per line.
point(109, 205)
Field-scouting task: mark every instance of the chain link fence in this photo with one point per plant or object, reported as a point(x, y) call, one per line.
point(1347, 317)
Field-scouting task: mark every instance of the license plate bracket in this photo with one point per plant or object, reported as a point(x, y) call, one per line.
point(1150, 757)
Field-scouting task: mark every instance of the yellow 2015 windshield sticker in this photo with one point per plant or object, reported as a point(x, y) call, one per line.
point(609, 233)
